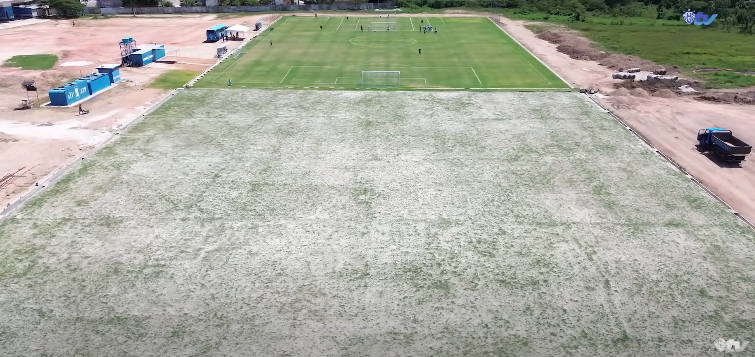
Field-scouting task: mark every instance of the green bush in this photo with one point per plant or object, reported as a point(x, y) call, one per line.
point(67, 8)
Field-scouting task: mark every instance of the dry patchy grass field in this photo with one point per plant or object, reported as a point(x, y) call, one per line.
point(282, 223)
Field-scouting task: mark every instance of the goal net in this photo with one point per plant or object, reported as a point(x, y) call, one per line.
point(383, 26)
point(377, 79)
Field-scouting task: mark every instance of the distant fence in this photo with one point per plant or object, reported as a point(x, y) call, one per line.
point(228, 9)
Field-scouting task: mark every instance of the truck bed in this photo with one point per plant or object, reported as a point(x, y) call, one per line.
point(731, 143)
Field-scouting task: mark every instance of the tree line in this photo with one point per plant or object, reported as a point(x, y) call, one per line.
point(732, 14)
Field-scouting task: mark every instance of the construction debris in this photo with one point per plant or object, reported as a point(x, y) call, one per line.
point(623, 76)
point(639, 92)
point(664, 93)
point(621, 92)
point(651, 77)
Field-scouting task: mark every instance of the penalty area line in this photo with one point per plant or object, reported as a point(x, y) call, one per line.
point(410, 20)
point(339, 25)
point(289, 71)
point(357, 25)
point(422, 78)
point(475, 74)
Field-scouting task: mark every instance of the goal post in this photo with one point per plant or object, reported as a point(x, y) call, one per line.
point(383, 26)
point(380, 79)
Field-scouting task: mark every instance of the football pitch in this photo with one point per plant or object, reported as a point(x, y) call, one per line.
point(374, 224)
point(464, 53)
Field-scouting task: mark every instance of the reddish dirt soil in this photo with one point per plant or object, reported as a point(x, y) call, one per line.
point(45, 139)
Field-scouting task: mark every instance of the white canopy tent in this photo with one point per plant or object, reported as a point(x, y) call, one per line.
point(237, 31)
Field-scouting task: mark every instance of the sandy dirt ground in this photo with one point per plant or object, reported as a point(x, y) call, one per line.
point(40, 140)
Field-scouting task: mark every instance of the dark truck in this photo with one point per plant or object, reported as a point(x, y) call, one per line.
point(723, 144)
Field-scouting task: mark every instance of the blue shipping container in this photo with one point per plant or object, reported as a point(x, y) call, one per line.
point(158, 52)
point(97, 82)
point(21, 11)
point(216, 32)
point(62, 96)
point(6, 13)
point(142, 57)
point(112, 70)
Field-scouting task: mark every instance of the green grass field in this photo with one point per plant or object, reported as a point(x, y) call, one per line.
point(173, 79)
point(674, 44)
point(29, 62)
point(466, 53)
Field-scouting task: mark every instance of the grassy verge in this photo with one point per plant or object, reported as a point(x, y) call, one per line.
point(668, 42)
point(173, 79)
point(32, 61)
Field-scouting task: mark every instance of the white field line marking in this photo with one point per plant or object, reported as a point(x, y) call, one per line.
point(528, 89)
point(270, 33)
point(428, 22)
point(289, 71)
point(424, 79)
point(326, 20)
point(339, 25)
point(357, 25)
point(358, 30)
point(410, 20)
point(337, 78)
point(475, 74)
point(441, 20)
point(531, 54)
point(371, 65)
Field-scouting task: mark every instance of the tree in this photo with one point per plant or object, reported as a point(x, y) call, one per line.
point(745, 17)
point(67, 8)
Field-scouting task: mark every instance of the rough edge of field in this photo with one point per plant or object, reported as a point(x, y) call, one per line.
point(67, 168)
point(230, 53)
point(672, 162)
point(500, 26)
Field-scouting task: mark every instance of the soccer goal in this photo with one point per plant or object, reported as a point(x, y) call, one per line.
point(379, 79)
point(383, 26)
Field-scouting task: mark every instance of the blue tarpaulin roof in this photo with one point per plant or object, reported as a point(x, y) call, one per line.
point(217, 27)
